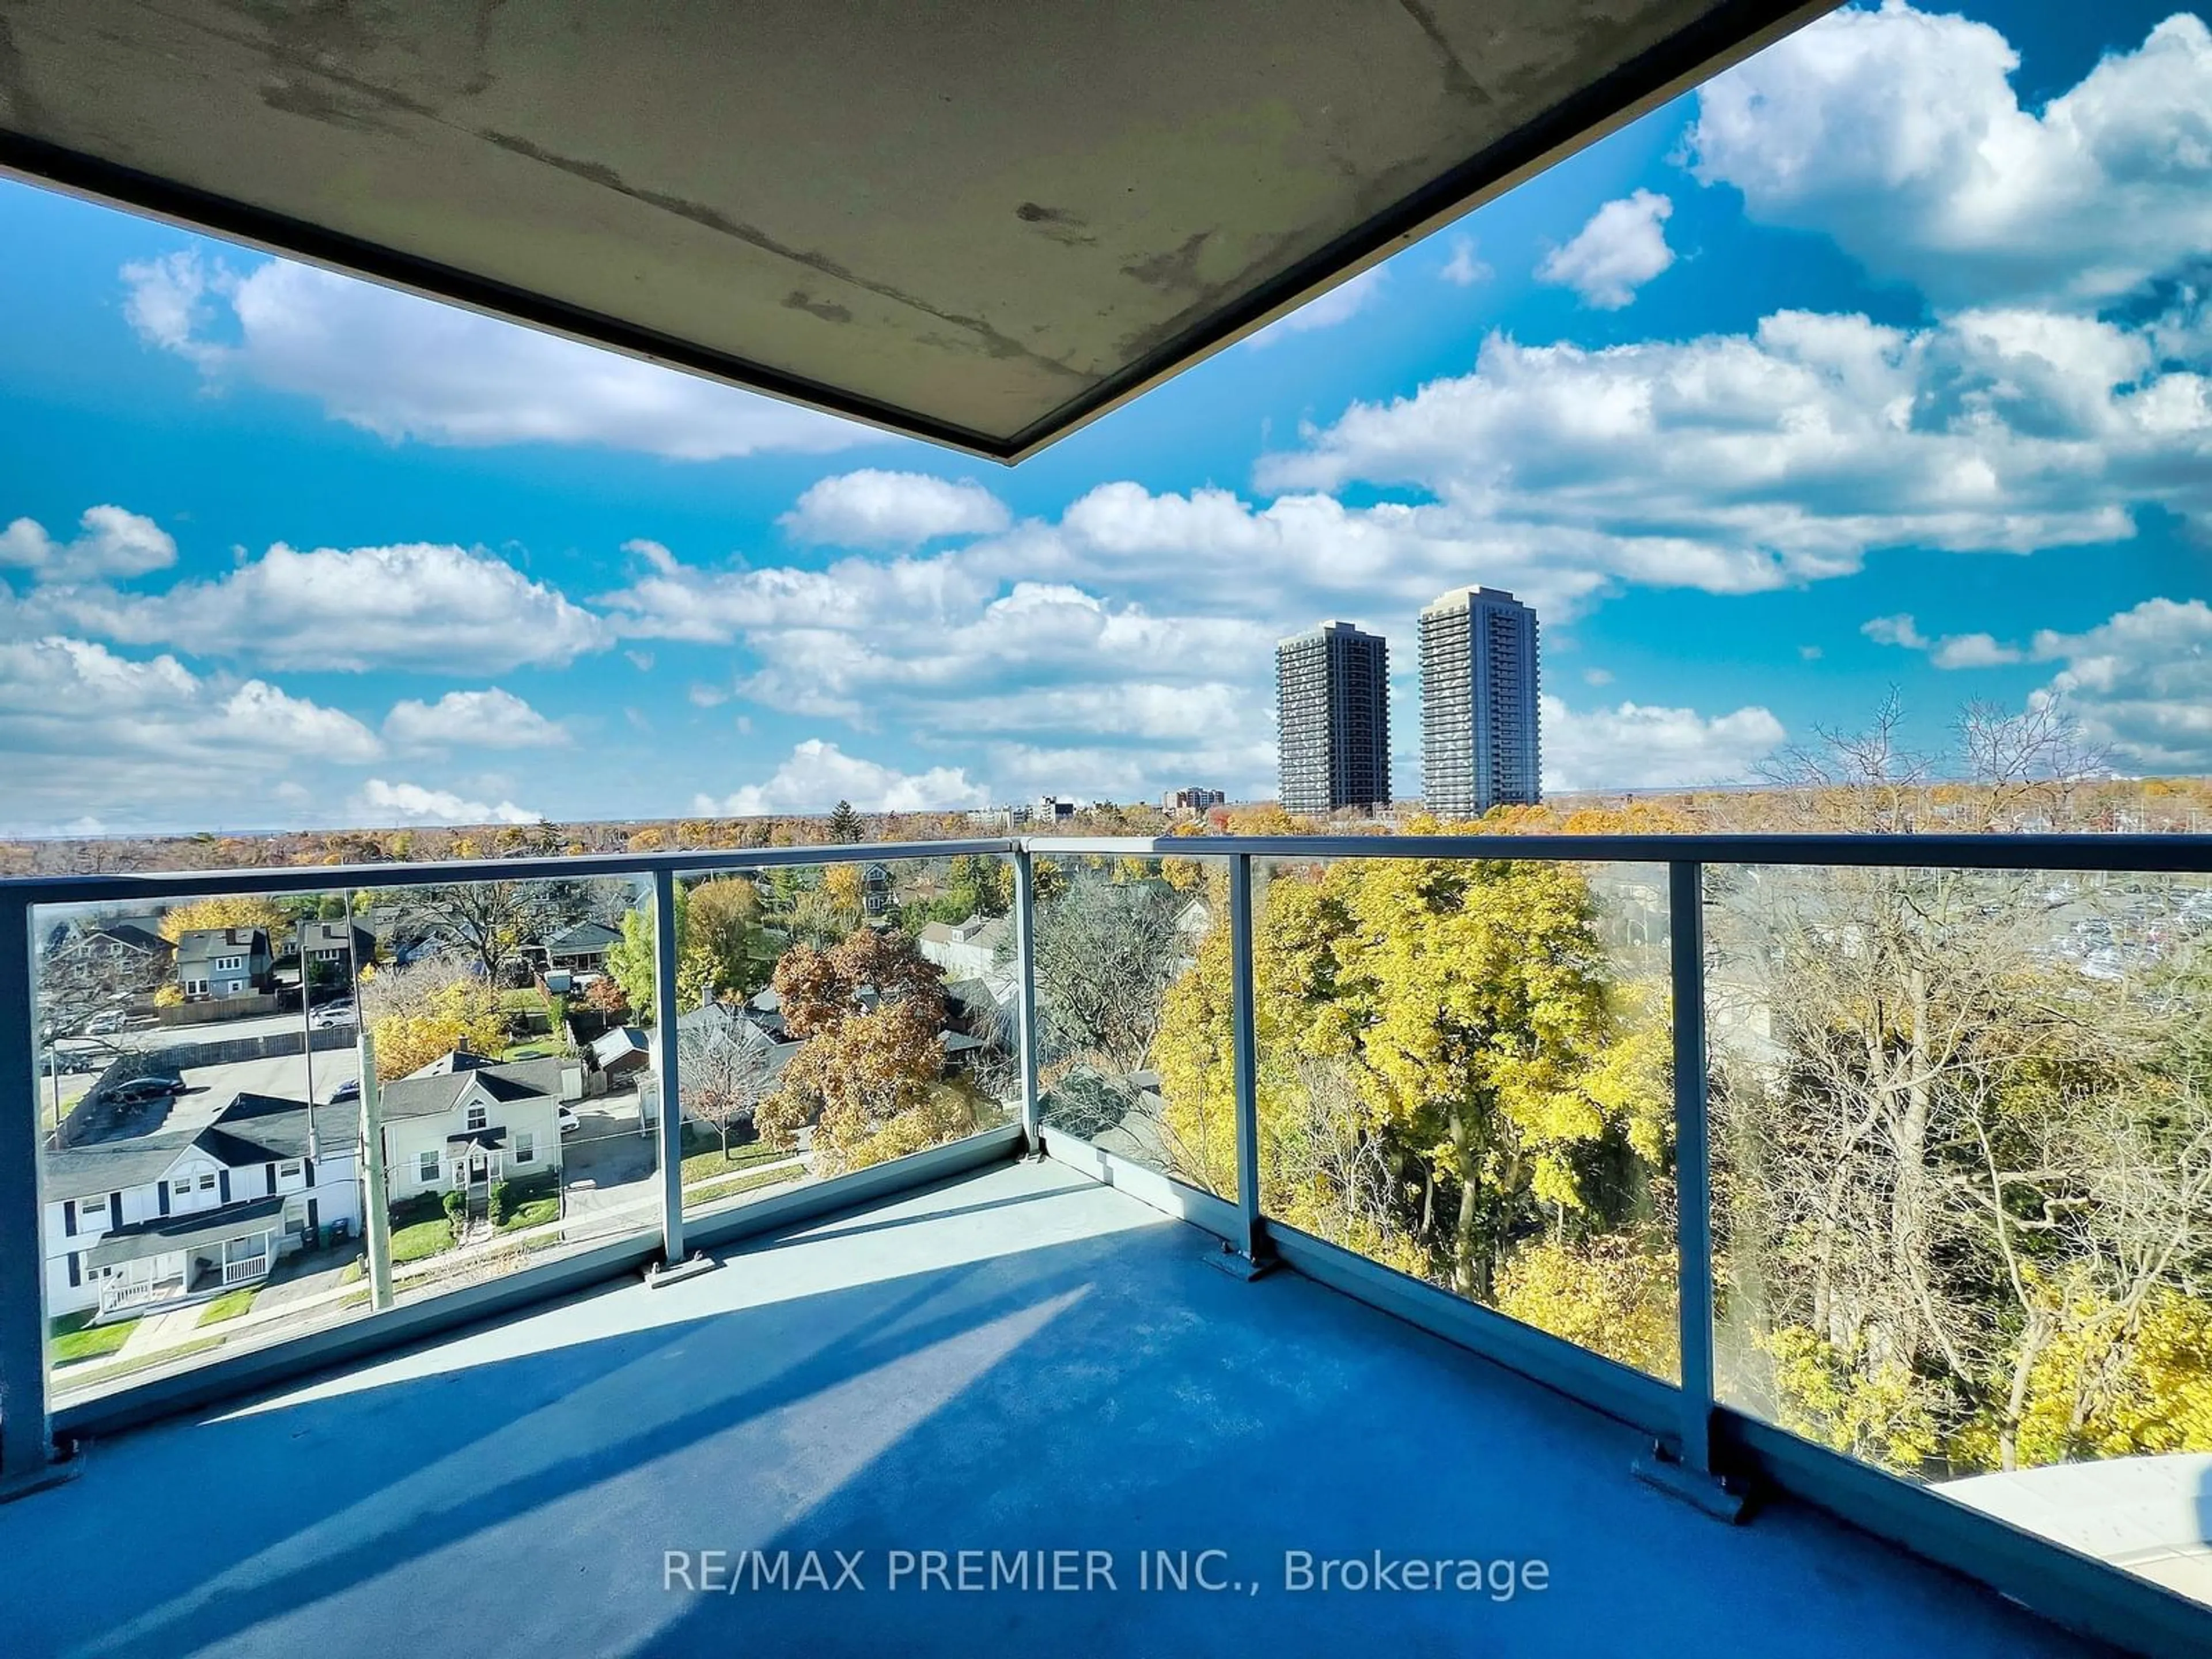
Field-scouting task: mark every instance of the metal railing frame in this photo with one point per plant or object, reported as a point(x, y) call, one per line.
point(1710, 1438)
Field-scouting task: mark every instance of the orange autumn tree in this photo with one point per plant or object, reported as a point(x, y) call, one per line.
point(871, 1015)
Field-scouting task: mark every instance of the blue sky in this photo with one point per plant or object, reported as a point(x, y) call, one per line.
point(1886, 358)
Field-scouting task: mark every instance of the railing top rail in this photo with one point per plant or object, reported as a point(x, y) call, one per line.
point(2149, 853)
point(124, 886)
point(2144, 854)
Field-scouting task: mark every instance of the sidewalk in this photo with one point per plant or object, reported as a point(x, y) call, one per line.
point(299, 1301)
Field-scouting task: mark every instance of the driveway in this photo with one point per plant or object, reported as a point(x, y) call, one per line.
point(606, 1163)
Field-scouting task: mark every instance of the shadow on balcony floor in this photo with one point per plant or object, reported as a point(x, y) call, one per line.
point(1017, 1361)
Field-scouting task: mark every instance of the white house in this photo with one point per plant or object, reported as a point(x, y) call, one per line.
point(131, 1224)
point(969, 950)
point(461, 1123)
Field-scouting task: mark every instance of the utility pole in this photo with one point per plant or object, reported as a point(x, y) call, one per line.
point(307, 1040)
point(376, 1213)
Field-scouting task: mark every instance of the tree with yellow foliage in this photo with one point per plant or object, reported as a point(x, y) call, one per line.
point(237, 910)
point(427, 1009)
point(1449, 1072)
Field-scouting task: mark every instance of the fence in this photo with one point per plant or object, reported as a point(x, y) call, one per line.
point(1707, 1448)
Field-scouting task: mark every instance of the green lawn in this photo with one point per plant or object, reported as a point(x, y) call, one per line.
point(419, 1241)
point(703, 1157)
point(76, 1337)
point(92, 1374)
point(744, 1183)
point(533, 1212)
point(531, 1049)
point(229, 1306)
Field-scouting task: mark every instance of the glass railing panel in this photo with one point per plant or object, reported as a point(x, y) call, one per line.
point(1132, 1000)
point(833, 1017)
point(200, 1159)
point(508, 1137)
point(1962, 1141)
point(1465, 1074)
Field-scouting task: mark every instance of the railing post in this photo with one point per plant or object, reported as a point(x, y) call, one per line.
point(1025, 1019)
point(26, 1450)
point(1687, 1469)
point(666, 1013)
point(1244, 1062)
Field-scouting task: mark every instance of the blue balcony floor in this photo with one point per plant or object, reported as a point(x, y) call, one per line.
point(1018, 1360)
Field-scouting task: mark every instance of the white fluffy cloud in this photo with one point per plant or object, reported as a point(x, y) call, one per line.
point(113, 544)
point(874, 508)
point(454, 609)
point(1636, 746)
point(407, 367)
point(1622, 247)
point(1898, 132)
point(491, 719)
point(382, 805)
point(2142, 682)
point(1339, 305)
point(817, 775)
point(1735, 463)
point(1951, 651)
point(152, 745)
point(1466, 267)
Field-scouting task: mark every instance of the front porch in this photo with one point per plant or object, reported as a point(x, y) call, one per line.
point(1019, 1360)
point(181, 1259)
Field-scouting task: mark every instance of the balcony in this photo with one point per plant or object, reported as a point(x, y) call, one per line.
point(1093, 1303)
point(1019, 1359)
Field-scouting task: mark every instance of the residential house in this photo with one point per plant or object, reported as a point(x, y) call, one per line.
point(223, 962)
point(581, 949)
point(134, 1223)
point(130, 943)
point(330, 951)
point(461, 1123)
point(875, 890)
point(977, 948)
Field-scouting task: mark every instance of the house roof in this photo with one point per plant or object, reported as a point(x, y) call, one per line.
point(453, 1059)
point(199, 943)
point(270, 1129)
point(585, 936)
point(252, 1130)
point(163, 1234)
point(989, 931)
point(979, 223)
point(620, 1042)
point(331, 935)
point(426, 1095)
point(131, 935)
point(106, 1166)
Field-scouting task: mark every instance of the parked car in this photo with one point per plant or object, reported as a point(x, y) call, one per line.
point(331, 1013)
point(107, 1025)
point(345, 1092)
point(567, 1119)
point(142, 1091)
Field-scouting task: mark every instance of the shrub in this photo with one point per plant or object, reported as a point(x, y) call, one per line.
point(456, 1210)
point(495, 1210)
